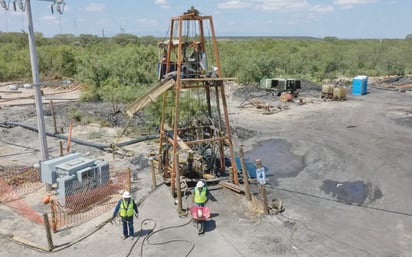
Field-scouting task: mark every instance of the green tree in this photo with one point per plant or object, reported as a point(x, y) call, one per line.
point(124, 39)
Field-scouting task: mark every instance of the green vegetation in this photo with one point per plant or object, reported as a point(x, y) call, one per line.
point(124, 67)
point(121, 68)
point(316, 60)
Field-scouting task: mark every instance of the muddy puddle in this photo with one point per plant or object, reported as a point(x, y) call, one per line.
point(352, 192)
point(278, 160)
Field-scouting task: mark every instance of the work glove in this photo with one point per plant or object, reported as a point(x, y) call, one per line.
point(136, 215)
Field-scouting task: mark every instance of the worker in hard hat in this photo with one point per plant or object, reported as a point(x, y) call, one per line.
point(126, 207)
point(200, 194)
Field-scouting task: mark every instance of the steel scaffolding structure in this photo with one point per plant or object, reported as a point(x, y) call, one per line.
point(184, 140)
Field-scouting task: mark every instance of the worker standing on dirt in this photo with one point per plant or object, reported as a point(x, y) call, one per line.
point(126, 207)
point(200, 194)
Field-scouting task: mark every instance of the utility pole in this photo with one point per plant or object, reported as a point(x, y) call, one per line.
point(36, 83)
point(25, 5)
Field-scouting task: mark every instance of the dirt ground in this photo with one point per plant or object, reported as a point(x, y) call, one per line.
point(342, 170)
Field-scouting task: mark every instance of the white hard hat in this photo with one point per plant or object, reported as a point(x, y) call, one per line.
point(126, 194)
point(200, 184)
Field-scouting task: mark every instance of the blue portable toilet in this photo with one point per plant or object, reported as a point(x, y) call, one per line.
point(360, 85)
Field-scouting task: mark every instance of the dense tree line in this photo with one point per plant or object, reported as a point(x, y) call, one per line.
point(315, 59)
point(122, 67)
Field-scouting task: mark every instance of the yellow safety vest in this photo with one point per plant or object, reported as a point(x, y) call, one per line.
point(200, 197)
point(126, 210)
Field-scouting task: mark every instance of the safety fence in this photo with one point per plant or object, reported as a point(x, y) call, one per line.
point(23, 180)
point(82, 201)
point(14, 183)
point(87, 200)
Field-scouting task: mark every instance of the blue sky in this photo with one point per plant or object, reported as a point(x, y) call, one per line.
point(316, 18)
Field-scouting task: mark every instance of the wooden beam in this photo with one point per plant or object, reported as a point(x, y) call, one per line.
point(233, 187)
point(150, 96)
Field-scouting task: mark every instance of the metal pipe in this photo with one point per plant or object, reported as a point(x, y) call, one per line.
point(178, 186)
point(82, 142)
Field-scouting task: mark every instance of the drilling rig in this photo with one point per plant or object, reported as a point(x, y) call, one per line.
point(195, 136)
point(194, 144)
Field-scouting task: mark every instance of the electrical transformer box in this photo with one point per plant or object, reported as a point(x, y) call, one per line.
point(48, 167)
point(73, 166)
point(74, 174)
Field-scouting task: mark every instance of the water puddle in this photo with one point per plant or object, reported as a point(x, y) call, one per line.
point(278, 160)
point(355, 192)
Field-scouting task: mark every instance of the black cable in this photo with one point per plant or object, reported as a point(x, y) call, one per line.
point(137, 240)
point(147, 237)
point(326, 235)
point(342, 202)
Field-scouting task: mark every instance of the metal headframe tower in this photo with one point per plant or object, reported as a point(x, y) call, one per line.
point(211, 133)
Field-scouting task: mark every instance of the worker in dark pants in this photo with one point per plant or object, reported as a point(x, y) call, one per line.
point(126, 207)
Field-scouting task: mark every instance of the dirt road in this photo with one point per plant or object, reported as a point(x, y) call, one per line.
point(351, 194)
point(341, 168)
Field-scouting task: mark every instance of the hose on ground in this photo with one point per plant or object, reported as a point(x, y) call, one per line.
point(104, 147)
point(148, 236)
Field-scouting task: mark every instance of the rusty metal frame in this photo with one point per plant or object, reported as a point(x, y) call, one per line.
point(187, 83)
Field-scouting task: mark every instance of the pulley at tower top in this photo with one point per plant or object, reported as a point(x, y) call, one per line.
point(190, 51)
